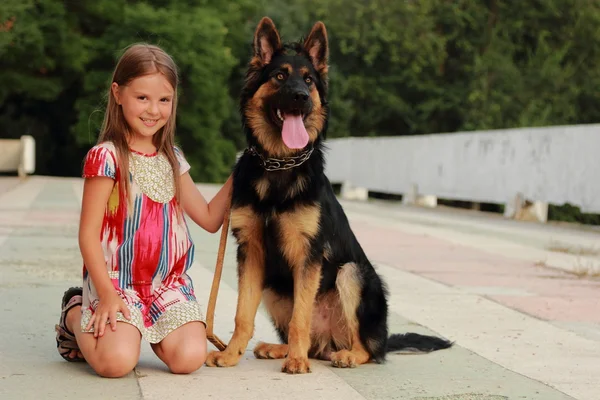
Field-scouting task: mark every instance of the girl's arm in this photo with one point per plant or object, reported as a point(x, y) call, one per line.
point(207, 215)
point(96, 192)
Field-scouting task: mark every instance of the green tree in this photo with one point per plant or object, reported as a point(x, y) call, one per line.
point(194, 36)
point(533, 65)
point(396, 67)
point(58, 57)
point(40, 58)
point(385, 60)
point(433, 66)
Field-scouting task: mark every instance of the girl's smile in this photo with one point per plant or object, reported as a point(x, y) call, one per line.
point(149, 122)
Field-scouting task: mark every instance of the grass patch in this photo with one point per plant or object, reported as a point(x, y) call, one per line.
point(586, 271)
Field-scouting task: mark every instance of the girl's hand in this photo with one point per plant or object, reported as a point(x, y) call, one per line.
point(207, 215)
point(107, 310)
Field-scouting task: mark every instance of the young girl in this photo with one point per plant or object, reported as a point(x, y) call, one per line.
point(133, 237)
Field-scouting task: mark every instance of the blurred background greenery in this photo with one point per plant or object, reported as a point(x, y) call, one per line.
point(398, 67)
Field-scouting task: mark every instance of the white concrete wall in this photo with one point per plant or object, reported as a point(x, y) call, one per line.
point(552, 164)
point(10, 154)
point(18, 155)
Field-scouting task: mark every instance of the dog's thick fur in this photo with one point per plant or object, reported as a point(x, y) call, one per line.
point(296, 250)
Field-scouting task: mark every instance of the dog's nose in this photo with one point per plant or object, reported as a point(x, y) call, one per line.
point(294, 98)
point(301, 96)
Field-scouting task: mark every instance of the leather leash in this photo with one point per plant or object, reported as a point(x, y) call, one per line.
point(212, 300)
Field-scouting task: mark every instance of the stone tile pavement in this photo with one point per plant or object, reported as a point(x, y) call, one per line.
point(524, 327)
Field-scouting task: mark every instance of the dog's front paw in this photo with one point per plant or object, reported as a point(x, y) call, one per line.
point(222, 359)
point(296, 365)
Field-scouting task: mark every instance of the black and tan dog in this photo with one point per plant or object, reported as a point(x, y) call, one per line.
point(296, 250)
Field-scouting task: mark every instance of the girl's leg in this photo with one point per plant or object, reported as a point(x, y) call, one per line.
point(184, 349)
point(113, 355)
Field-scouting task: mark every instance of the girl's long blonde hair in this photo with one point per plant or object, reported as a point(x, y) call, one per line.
point(138, 60)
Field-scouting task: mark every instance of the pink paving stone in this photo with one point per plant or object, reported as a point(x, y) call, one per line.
point(8, 183)
point(553, 294)
point(46, 217)
point(552, 287)
point(53, 215)
point(554, 308)
point(569, 288)
point(38, 218)
point(431, 253)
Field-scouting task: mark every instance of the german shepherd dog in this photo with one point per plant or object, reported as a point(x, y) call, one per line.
point(296, 251)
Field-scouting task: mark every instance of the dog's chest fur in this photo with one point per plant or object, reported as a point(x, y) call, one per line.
point(289, 225)
point(274, 189)
point(283, 221)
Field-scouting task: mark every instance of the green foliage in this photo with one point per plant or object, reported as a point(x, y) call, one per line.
point(526, 72)
point(40, 58)
point(570, 213)
point(408, 67)
point(397, 67)
point(374, 84)
point(58, 59)
point(195, 37)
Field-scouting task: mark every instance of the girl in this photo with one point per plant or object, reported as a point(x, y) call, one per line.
point(133, 237)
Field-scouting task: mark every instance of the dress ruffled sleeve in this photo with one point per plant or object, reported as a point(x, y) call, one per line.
point(100, 161)
point(184, 166)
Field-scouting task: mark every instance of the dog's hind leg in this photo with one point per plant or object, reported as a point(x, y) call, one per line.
point(247, 228)
point(280, 310)
point(352, 358)
point(271, 350)
point(349, 290)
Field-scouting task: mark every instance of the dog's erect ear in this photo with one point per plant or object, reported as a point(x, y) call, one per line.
point(317, 47)
point(266, 40)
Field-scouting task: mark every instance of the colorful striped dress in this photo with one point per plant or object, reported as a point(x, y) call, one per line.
point(147, 248)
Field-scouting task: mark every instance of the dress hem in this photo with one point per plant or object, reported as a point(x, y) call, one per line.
point(173, 318)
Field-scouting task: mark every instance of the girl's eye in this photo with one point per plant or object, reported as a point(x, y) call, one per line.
point(141, 97)
point(280, 76)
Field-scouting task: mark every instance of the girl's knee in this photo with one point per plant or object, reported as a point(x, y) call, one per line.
point(187, 360)
point(113, 370)
point(115, 365)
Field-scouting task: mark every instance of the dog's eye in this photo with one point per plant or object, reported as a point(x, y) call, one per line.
point(280, 76)
point(308, 79)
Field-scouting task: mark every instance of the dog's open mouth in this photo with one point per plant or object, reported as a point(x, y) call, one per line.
point(293, 131)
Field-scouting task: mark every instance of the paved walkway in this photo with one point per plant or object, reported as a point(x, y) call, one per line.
point(524, 327)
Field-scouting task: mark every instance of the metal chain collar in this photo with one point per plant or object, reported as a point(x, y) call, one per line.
point(280, 164)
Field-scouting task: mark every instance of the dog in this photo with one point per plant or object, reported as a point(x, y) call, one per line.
point(296, 251)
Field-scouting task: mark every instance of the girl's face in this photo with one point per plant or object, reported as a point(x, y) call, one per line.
point(147, 104)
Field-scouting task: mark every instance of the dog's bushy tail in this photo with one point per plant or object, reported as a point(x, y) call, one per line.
point(416, 343)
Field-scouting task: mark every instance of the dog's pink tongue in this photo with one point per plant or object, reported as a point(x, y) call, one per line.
point(294, 133)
